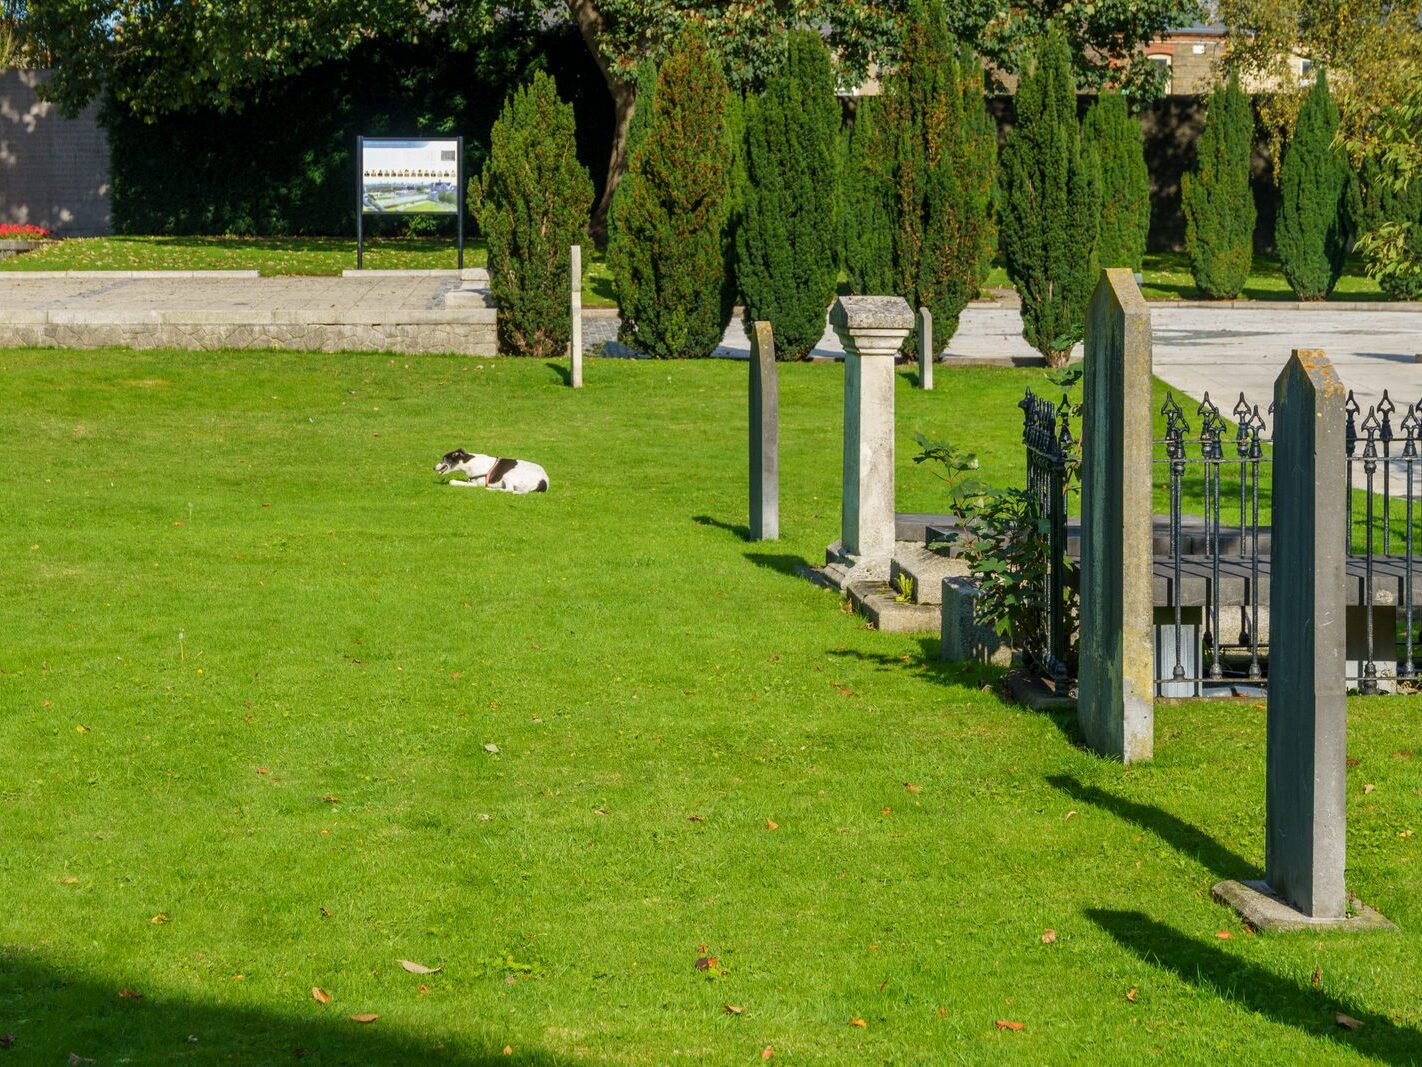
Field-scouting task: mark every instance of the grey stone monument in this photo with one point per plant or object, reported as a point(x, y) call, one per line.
point(872, 329)
point(1307, 759)
point(576, 309)
point(764, 436)
point(925, 348)
point(1115, 703)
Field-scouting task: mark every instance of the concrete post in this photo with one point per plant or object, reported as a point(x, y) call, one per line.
point(764, 436)
point(576, 300)
point(925, 348)
point(1308, 712)
point(872, 329)
point(1115, 704)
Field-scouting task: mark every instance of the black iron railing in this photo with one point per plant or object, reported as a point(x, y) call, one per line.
point(1046, 433)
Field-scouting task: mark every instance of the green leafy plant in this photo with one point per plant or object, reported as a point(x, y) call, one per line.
point(903, 589)
point(531, 202)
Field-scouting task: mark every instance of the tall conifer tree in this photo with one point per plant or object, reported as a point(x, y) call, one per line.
point(666, 251)
point(786, 229)
point(1113, 136)
point(1216, 197)
point(1315, 186)
point(865, 205)
point(1050, 205)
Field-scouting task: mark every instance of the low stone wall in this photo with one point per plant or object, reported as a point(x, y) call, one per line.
point(471, 332)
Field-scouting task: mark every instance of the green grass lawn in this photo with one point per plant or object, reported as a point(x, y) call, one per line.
point(255, 663)
point(1167, 277)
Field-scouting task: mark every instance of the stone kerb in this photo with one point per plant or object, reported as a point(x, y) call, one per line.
point(1307, 732)
point(872, 330)
point(1115, 703)
point(925, 348)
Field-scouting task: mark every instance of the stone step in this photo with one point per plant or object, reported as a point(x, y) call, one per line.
point(925, 569)
point(877, 602)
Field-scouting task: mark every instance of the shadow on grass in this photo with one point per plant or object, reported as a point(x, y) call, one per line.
point(739, 529)
point(964, 674)
point(1174, 831)
point(50, 1013)
point(1255, 989)
point(564, 371)
point(782, 563)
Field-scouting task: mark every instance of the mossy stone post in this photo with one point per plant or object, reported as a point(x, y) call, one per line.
point(764, 436)
point(925, 348)
point(1115, 702)
point(872, 329)
point(576, 309)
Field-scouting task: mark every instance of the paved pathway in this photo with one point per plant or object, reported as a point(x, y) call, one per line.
point(1220, 349)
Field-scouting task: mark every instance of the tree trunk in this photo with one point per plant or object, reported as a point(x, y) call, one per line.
point(623, 91)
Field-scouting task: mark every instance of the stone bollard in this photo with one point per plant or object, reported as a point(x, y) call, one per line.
point(764, 436)
point(576, 301)
point(872, 329)
point(1307, 733)
point(925, 348)
point(1115, 701)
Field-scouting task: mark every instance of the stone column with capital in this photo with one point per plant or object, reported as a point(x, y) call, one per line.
point(872, 329)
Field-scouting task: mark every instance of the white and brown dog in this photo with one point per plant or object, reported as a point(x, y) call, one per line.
point(490, 472)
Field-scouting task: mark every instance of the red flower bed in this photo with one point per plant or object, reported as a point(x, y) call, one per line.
point(22, 231)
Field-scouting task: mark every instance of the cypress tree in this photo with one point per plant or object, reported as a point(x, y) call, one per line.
point(785, 233)
point(666, 251)
point(1315, 185)
point(943, 147)
point(1113, 136)
point(1216, 197)
point(868, 245)
point(531, 203)
point(1051, 202)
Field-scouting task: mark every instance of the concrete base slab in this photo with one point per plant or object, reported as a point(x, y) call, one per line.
point(1258, 906)
point(922, 571)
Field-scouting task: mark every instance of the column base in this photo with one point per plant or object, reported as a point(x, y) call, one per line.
point(1265, 911)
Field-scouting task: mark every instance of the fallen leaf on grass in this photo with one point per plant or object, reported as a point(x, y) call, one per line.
point(1131, 994)
point(696, 818)
point(1347, 1021)
point(912, 788)
point(320, 995)
point(129, 994)
point(771, 824)
point(159, 919)
point(860, 1023)
point(1070, 814)
point(418, 968)
point(331, 798)
point(422, 988)
point(706, 963)
point(1317, 977)
point(1008, 1024)
point(325, 913)
point(1049, 937)
point(734, 1009)
point(1224, 935)
point(81, 729)
point(767, 1053)
point(491, 747)
point(364, 1017)
point(1369, 787)
point(508, 1050)
point(68, 879)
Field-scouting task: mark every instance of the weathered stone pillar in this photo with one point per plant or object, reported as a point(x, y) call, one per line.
point(1115, 704)
point(872, 329)
point(1308, 712)
point(925, 348)
point(764, 436)
point(1307, 756)
point(576, 308)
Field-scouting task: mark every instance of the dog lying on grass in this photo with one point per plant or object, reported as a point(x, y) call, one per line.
point(490, 472)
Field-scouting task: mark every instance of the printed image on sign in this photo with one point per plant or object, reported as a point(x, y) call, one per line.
point(409, 177)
